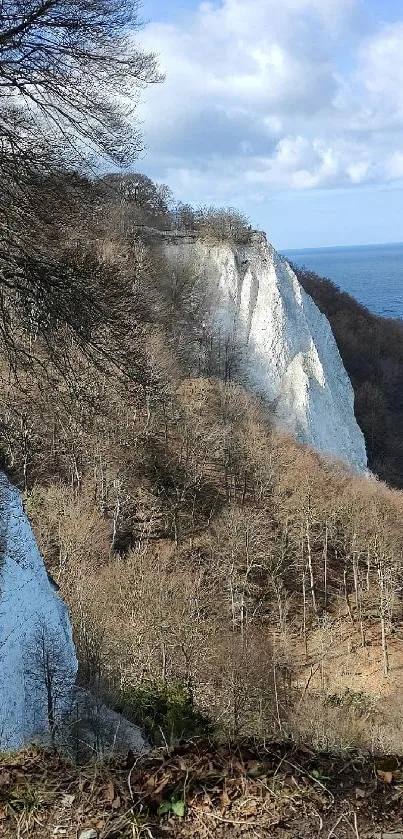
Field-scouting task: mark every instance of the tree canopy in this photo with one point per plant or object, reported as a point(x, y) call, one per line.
point(70, 76)
point(73, 68)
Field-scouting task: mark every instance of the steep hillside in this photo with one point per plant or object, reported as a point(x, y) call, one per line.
point(216, 569)
point(254, 570)
point(372, 351)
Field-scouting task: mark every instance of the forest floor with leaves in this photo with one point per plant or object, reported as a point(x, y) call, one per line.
point(201, 790)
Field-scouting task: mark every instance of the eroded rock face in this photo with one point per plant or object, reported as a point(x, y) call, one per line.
point(38, 663)
point(288, 353)
point(97, 731)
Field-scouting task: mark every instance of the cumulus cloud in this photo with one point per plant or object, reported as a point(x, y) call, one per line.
point(263, 95)
point(381, 74)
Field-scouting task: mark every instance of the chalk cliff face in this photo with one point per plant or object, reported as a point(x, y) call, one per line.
point(37, 658)
point(288, 352)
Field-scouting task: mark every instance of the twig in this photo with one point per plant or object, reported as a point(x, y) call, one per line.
point(356, 825)
point(320, 821)
point(232, 821)
point(277, 769)
point(312, 674)
point(164, 738)
point(204, 825)
point(312, 777)
point(185, 784)
point(129, 777)
point(336, 825)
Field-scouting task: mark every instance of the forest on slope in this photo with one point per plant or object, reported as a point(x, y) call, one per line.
point(219, 576)
point(372, 351)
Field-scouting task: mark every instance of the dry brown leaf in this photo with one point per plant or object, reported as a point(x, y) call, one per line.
point(239, 767)
point(225, 799)
point(255, 789)
point(116, 803)
point(110, 792)
point(151, 782)
point(67, 800)
point(249, 808)
point(3, 814)
point(386, 777)
point(162, 784)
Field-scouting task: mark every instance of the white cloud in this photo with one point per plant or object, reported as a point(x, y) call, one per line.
point(381, 74)
point(262, 95)
point(394, 166)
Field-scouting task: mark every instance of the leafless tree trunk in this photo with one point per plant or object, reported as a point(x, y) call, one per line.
point(325, 552)
point(310, 567)
point(382, 616)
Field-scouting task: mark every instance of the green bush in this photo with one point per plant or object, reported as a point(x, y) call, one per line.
point(165, 712)
point(350, 699)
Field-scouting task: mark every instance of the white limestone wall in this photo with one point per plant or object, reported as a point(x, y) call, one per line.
point(289, 355)
point(36, 646)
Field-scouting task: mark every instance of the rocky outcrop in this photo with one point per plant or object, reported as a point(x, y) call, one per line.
point(37, 657)
point(94, 730)
point(287, 350)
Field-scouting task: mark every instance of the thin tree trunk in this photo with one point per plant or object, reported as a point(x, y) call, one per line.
point(164, 661)
point(382, 611)
point(325, 567)
point(346, 597)
point(310, 568)
point(385, 656)
point(304, 615)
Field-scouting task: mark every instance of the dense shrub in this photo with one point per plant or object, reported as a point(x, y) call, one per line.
point(372, 351)
point(165, 712)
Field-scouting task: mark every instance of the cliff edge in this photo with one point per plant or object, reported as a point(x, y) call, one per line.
point(37, 657)
point(287, 349)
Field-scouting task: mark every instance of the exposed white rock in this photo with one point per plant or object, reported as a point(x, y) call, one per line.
point(100, 732)
point(37, 657)
point(289, 355)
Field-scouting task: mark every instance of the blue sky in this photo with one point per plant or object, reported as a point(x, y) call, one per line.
point(290, 110)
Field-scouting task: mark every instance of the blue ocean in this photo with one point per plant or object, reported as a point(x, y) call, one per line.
point(373, 274)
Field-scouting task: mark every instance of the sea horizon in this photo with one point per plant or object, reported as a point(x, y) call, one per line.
point(340, 247)
point(373, 274)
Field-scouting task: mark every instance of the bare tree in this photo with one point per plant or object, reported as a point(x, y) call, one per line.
point(141, 202)
point(223, 224)
point(48, 676)
point(70, 76)
point(74, 65)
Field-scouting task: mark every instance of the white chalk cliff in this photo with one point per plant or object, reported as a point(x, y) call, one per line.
point(289, 355)
point(37, 657)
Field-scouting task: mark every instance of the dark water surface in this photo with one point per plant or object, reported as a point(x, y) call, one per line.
point(373, 274)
